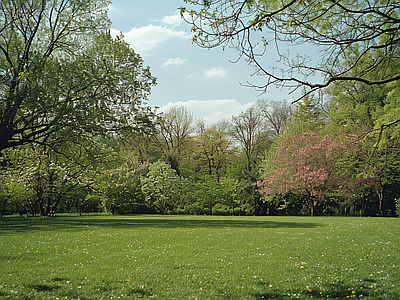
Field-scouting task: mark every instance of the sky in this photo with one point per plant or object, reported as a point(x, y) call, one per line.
point(205, 81)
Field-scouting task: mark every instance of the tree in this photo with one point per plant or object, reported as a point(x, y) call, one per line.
point(368, 31)
point(119, 187)
point(248, 128)
point(372, 113)
point(174, 127)
point(314, 167)
point(213, 148)
point(308, 115)
point(276, 114)
point(62, 75)
point(42, 179)
point(162, 187)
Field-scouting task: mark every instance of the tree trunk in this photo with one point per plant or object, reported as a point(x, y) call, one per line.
point(4, 207)
point(381, 199)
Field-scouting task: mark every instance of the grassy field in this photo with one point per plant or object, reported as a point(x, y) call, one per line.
point(199, 257)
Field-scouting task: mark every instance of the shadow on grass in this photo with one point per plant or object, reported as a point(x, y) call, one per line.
point(21, 224)
point(44, 287)
point(58, 279)
point(139, 293)
point(338, 290)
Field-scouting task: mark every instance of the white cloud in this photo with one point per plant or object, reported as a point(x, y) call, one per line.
point(215, 72)
point(212, 111)
point(175, 62)
point(146, 38)
point(173, 20)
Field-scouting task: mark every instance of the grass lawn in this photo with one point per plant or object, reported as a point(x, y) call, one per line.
point(199, 257)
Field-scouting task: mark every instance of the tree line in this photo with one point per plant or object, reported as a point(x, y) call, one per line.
point(249, 165)
point(77, 135)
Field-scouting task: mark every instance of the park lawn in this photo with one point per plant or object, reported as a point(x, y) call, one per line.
point(199, 257)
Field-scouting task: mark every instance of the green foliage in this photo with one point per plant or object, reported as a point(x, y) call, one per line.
point(222, 210)
point(196, 208)
point(119, 186)
point(208, 192)
point(364, 32)
point(387, 122)
point(162, 187)
point(64, 77)
point(308, 115)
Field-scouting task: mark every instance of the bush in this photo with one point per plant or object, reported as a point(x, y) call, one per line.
point(238, 211)
point(194, 209)
point(180, 211)
point(206, 211)
point(221, 210)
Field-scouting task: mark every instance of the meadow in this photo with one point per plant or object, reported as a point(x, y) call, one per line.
point(199, 257)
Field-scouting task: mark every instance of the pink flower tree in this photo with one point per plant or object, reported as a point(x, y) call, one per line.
point(312, 166)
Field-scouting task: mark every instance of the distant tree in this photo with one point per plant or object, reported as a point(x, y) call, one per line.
point(276, 114)
point(249, 129)
point(48, 177)
point(62, 75)
point(213, 148)
point(119, 186)
point(174, 127)
point(307, 115)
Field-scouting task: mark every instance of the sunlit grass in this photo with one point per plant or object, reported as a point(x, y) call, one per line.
point(186, 257)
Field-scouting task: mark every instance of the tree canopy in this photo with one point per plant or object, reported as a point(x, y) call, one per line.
point(62, 75)
point(362, 33)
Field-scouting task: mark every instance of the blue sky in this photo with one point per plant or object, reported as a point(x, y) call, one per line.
point(203, 80)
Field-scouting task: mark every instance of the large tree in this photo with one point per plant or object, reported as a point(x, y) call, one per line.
point(63, 76)
point(366, 31)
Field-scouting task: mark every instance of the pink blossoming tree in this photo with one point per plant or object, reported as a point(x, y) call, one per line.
point(312, 166)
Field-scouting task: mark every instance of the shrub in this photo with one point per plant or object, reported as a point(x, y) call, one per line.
point(221, 210)
point(194, 209)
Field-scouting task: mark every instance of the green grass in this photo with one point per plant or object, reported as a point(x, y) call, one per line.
point(199, 257)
